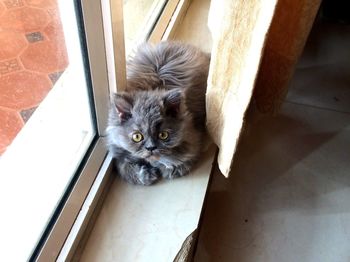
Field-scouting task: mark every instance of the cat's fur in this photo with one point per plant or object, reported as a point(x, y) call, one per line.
point(166, 87)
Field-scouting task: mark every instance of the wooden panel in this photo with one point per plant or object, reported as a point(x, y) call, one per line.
point(289, 30)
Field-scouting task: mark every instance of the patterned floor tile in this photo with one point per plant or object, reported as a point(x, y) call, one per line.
point(32, 58)
point(27, 113)
point(54, 31)
point(25, 19)
point(54, 13)
point(12, 43)
point(9, 66)
point(2, 8)
point(45, 57)
point(13, 3)
point(23, 90)
point(42, 3)
point(34, 37)
point(55, 76)
point(11, 124)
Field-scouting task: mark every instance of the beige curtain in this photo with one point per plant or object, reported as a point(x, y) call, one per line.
point(239, 29)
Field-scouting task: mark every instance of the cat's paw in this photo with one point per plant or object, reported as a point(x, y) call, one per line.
point(174, 172)
point(148, 175)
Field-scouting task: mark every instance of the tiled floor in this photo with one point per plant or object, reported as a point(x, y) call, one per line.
point(32, 57)
point(287, 198)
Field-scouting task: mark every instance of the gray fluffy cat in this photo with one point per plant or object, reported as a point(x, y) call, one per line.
point(156, 129)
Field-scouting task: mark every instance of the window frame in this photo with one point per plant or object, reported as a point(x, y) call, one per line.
point(63, 235)
point(92, 36)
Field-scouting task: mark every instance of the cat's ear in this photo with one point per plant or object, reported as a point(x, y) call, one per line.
point(172, 102)
point(123, 103)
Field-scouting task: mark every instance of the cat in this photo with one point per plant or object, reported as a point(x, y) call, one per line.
point(157, 128)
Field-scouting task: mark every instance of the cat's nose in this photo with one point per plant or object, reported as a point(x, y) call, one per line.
point(150, 148)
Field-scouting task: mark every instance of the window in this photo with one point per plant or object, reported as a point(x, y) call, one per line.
point(52, 164)
point(140, 18)
point(44, 161)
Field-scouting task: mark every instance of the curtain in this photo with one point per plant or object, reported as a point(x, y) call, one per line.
point(240, 30)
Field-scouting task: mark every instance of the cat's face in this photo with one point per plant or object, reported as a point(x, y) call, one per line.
point(148, 124)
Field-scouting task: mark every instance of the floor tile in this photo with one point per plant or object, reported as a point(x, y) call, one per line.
point(23, 90)
point(54, 31)
point(13, 3)
point(287, 195)
point(9, 66)
point(32, 55)
point(11, 124)
point(27, 113)
point(34, 37)
point(322, 75)
point(12, 43)
point(325, 86)
point(42, 3)
point(2, 8)
point(328, 43)
point(25, 19)
point(54, 13)
point(55, 76)
point(45, 57)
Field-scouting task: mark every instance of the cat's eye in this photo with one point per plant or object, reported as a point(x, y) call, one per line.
point(137, 137)
point(163, 135)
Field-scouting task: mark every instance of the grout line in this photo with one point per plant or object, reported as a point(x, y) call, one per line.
point(317, 107)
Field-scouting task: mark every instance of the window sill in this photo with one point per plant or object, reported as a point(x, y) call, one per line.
point(136, 222)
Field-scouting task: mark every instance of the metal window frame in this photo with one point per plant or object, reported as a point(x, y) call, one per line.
point(87, 192)
point(53, 240)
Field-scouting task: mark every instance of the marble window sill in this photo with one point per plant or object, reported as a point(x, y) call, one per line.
point(138, 223)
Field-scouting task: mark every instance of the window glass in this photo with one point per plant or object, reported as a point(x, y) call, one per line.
point(139, 20)
point(46, 117)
